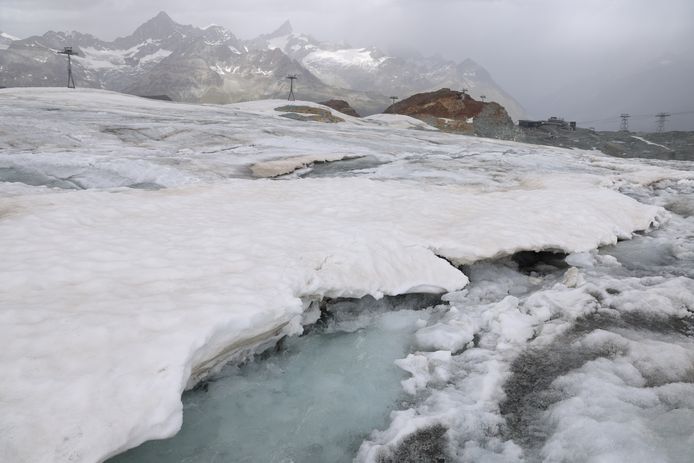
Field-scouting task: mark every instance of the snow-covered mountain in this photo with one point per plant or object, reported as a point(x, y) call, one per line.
point(6, 39)
point(162, 57)
point(115, 65)
point(371, 69)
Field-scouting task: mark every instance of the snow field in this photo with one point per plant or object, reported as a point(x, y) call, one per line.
point(114, 300)
point(127, 294)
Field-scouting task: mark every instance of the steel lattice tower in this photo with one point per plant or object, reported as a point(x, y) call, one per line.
point(292, 78)
point(660, 121)
point(393, 99)
point(68, 51)
point(625, 122)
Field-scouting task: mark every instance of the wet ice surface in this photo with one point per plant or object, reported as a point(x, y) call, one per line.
point(587, 358)
point(313, 401)
point(668, 251)
point(343, 168)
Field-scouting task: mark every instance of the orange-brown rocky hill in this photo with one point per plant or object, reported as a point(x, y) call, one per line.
point(454, 111)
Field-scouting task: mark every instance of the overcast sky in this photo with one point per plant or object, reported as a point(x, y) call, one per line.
point(520, 42)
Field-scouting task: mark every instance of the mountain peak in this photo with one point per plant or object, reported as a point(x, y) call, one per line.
point(162, 16)
point(285, 29)
point(158, 27)
point(160, 21)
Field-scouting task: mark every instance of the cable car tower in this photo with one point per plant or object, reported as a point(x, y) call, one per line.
point(292, 78)
point(393, 99)
point(68, 51)
point(660, 121)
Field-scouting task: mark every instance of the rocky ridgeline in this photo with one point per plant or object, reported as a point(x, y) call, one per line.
point(676, 145)
point(458, 112)
point(212, 65)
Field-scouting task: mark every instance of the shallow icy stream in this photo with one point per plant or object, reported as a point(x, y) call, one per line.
point(315, 400)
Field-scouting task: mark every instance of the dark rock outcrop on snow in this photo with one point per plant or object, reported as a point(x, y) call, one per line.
point(157, 97)
point(342, 106)
point(308, 113)
point(454, 111)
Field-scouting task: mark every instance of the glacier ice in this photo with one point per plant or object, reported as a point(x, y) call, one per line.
point(135, 295)
point(294, 405)
point(596, 370)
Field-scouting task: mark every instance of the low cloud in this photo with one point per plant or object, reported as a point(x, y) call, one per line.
point(521, 42)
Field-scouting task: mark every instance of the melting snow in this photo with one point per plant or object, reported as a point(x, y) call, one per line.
point(650, 142)
point(115, 300)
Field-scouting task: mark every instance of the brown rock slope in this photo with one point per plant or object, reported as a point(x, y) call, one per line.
point(453, 111)
point(342, 106)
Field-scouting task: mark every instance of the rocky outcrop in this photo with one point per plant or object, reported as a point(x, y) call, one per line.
point(454, 111)
point(342, 106)
point(157, 97)
point(308, 113)
point(675, 146)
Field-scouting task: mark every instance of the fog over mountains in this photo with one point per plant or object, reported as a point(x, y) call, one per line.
point(642, 90)
point(212, 65)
